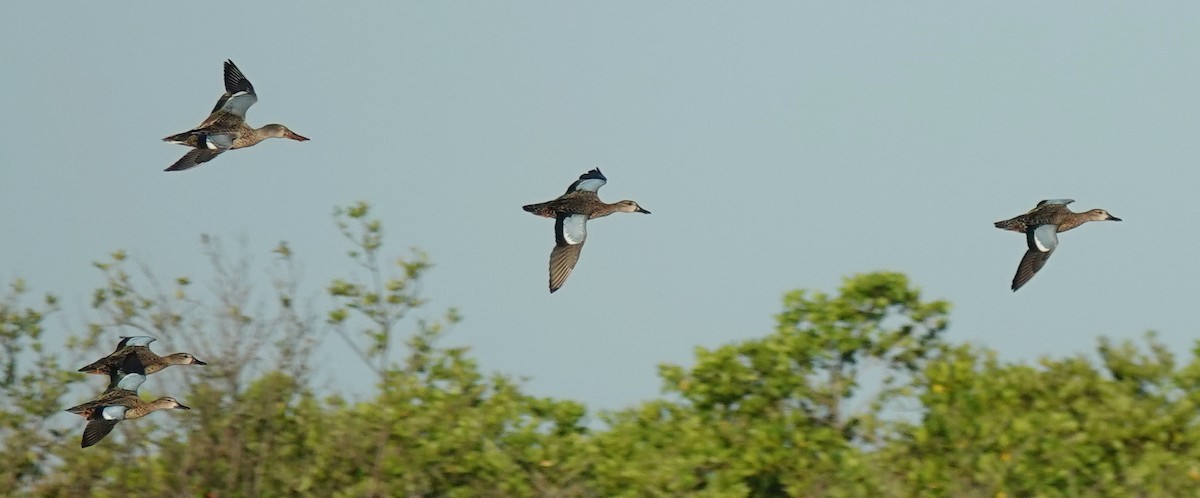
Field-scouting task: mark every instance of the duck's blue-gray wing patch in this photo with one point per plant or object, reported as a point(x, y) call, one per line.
point(590, 181)
point(113, 412)
point(1044, 238)
point(131, 381)
point(135, 340)
point(1063, 202)
point(233, 103)
point(570, 229)
point(220, 142)
point(237, 103)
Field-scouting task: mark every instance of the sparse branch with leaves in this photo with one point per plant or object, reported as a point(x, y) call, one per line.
point(382, 299)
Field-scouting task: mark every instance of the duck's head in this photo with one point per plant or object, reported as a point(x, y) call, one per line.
point(281, 131)
point(184, 359)
point(1101, 215)
point(169, 403)
point(630, 207)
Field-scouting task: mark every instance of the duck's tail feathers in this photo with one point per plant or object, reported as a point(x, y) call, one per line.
point(179, 138)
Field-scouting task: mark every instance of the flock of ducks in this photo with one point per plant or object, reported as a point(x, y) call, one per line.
point(126, 368)
point(226, 128)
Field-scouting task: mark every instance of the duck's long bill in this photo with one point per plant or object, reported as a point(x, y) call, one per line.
point(1113, 218)
point(292, 135)
point(640, 210)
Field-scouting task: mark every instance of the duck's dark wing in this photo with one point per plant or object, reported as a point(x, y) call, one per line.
point(235, 81)
point(562, 261)
point(96, 430)
point(194, 158)
point(208, 147)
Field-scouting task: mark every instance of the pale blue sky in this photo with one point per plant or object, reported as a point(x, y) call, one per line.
point(780, 145)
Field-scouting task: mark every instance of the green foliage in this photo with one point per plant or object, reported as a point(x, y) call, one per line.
point(853, 394)
point(384, 298)
point(436, 427)
point(31, 387)
point(768, 417)
point(1065, 427)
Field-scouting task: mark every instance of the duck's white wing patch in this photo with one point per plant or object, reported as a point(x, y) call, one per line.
point(131, 382)
point(572, 229)
point(114, 412)
point(1063, 202)
point(237, 103)
point(1044, 238)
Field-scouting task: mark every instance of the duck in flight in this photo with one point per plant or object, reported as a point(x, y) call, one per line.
point(133, 355)
point(1041, 226)
point(120, 402)
point(226, 128)
point(570, 212)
